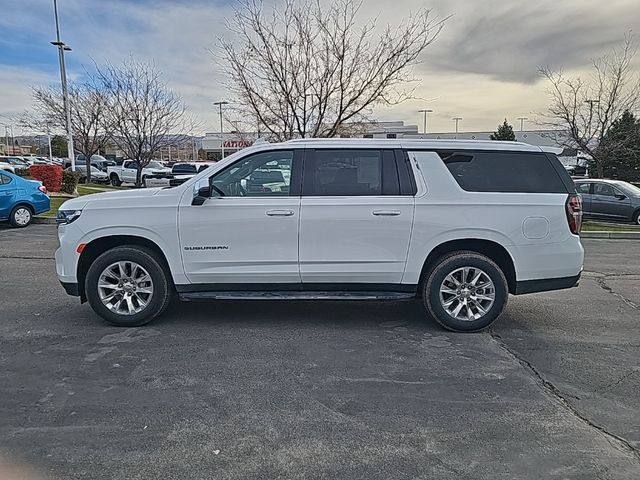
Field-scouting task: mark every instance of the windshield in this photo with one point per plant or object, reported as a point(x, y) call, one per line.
point(631, 189)
point(155, 164)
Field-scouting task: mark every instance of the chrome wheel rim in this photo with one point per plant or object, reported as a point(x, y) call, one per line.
point(125, 288)
point(467, 293)
point(22, 216)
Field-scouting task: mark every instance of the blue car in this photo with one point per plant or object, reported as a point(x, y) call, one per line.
point(21, 199)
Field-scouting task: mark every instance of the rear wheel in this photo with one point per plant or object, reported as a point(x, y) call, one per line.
point(636, 218)
point(127, 286)
point(21, 216)
point(465, 291)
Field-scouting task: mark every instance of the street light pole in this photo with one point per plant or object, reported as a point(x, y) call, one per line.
point(49, 138)
point(220, 104)
point(63, 80)
point(424, 122)
point(456, 119)
point(522, 119)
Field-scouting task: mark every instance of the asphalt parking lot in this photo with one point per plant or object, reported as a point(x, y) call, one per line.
point(320, 389)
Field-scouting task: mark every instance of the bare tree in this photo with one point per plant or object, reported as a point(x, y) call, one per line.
point(144, 113)
point(89, 117)
point(584, 109)
point(308, 69)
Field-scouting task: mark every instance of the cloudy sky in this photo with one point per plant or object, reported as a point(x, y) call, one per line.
point(482, 67)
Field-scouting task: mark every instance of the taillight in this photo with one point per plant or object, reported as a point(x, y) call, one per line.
point(574, 213)
point(42, 188)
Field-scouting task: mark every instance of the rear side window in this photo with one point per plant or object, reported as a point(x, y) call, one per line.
point(5, 179)
point(507, 172)
point(583, 188)
point(344, 172)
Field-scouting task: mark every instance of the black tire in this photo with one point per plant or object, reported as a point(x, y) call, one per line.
point(448, 264)
point(147, 259)
point(636, 218)
point(115, 181)
point(20, 211)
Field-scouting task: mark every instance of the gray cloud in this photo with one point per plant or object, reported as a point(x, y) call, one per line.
point(509, 40)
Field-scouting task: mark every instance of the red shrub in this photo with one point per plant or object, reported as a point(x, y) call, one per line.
point(49, 175)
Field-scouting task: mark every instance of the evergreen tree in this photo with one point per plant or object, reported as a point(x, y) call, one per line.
point(58, 146)
point(504, 132)
point(621, 148)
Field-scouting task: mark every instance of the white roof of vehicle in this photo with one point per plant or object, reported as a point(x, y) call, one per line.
point(415, 144)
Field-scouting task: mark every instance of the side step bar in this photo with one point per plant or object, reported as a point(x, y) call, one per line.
point(295, 295)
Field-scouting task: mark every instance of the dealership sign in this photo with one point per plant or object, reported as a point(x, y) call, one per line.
point(236, 144)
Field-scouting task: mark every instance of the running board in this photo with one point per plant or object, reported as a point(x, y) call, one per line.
point(295, 295)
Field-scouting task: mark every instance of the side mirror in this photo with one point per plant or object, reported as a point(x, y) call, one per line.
point(201, 196)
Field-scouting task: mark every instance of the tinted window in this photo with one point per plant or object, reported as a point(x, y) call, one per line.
point(4, 179)
point(184, 168)
point(344, 172)
point(509, 172)
point(604, 189)
point(258, 175)
point(583, 188)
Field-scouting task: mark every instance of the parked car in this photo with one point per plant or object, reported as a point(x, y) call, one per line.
point(21, 199)
point(180, 173)
point(612, 200)
point(16, 162)
point(97, 161)
point(97, 176)
point(6, 166)
point(444, 221)
point(129, 169)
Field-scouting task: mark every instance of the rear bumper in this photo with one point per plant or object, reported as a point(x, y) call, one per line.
point(546, 284)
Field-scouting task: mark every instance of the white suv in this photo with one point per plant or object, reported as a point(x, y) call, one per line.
point(459, 224)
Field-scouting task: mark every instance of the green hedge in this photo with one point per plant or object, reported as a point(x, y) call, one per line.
point(69, 181)
point(22, 172)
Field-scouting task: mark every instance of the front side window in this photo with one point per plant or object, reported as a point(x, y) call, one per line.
point(344, 173)
point(258, 175)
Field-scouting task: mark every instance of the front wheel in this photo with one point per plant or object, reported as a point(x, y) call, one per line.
point(115, 181)
point(127, 286)
point(465, 291)
point(20, 216)
point(636, 218)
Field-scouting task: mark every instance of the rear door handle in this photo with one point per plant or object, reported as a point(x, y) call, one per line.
point(279, 213)
point(387, 213)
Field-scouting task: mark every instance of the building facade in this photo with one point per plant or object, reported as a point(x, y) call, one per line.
point(213, 143)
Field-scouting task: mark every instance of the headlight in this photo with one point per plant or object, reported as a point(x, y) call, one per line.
point(67, 216)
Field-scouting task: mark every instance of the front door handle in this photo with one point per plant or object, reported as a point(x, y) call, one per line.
point(387, 213)
point(279, 213)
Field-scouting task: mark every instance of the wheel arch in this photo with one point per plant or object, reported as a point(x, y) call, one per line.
point(98, 246)
point(494, 250)
point(23, 203)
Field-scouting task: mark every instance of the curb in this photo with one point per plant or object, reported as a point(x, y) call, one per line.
point(44, 220)
point(612, 235)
